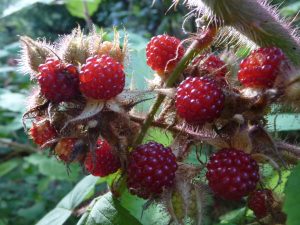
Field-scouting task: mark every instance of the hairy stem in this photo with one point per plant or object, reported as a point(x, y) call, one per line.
point(195, 48)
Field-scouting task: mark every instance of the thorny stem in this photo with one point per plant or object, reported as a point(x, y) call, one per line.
point(195, 48)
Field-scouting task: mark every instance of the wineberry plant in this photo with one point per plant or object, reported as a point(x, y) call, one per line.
point(211, 100)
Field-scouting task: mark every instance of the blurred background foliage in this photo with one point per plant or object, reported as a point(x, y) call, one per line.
point(32, 183)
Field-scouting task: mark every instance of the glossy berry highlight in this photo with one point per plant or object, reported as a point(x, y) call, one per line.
point(58, 81)
point(163, 52)
point(102, 161)
point(261, 67)
point(199, 100)
point(151, 169)
point(102, 77)
point(260, 202)
point(41, 132)
point(232, 174)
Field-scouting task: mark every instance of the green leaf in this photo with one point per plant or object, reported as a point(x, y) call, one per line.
point(292, 197)
point(159, 135)
point(284, 122)
point(64, 208)
point(12, 101)
point(57, 216)
point(76, 7)
point(153, 215)
point(52, 168)
point(233, 216)
point(290, 10)
point(21, 4)
point(107, 210)
point(80, 191)
point(8, 166)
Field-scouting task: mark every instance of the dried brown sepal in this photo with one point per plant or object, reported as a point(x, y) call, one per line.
point(74, 48)
point(33, 54)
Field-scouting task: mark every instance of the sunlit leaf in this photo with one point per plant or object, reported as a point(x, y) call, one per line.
point(284, 122)
point(107, 210)
point(77, 7)
point(8, 166)
point(12, 101)
point(65, 207)
point(292, 197)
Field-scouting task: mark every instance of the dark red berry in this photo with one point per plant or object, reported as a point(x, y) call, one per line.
point(102, 78)
point(163, 53)
point(260, 202)
point(208, 64)
point(261, 67)
point(151, 169)
point(103, 161)
point(42, 132)
point(232, 174)
point(58, 82)
point(199, 100)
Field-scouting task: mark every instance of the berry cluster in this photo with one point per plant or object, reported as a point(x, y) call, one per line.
point(163, 53)
point(261, 67)
point(151, 168)
point(260, 201)
point(232, 174)
point(102, 77)
point(215, 110)
point(199, 100)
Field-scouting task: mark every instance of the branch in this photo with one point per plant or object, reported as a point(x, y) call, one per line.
point(288, 148)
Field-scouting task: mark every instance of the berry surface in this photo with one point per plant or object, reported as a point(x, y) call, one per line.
point(42, 132)
point(65, 148)
point(209, 64)
point(232, 174)
point(260, 201)
point(199, 100)
point(102, 78)
point(261, 67)
point(104, 162)
point(163, 53)
point(151, 169)
point(58, 82)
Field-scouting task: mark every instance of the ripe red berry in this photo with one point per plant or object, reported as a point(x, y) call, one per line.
point(58, 82)
point(208, 64)
point(65, 149)
point(104, 161)
point(261, 67)
point(163, 53)
point(232, 174)
point(199, 100)
point(151, 169)
point(42, 132)
point(102, 77)
point(260, 202)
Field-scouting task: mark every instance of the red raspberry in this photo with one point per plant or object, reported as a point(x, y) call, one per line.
point(208, 64)
point(199, 100)
point(151, 168)
point(102, 77)
point(260, 201)
point(261, 67)
point(42, 132)
point(58, 82)
point(65, 149)
point(163, 53)
point(232, 173)
point(105, 161)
